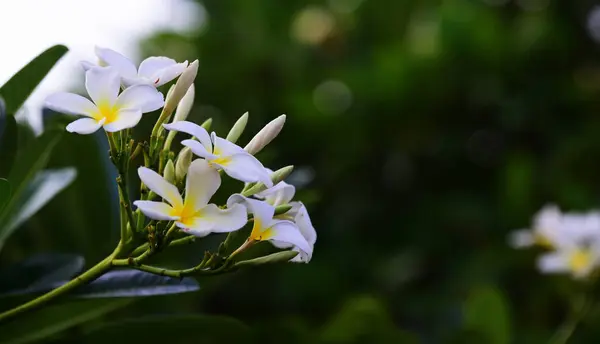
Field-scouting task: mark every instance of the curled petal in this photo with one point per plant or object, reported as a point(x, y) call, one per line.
point(156, 210)
point(262, 211)
point(127, 118)
point(84, 126)
point(286, 232)
point(160, 186)
point(103, 84)
point(302, 220)
point(143, 97)
point(122, 64)
point(192, 129)
point(224, 147)
point(280, 193)
point(554, 262)
point(202, 183)
point(87, 65)
point(245, 167)
point(211, 219)
point(160, 69)
point(198, 149)
point(70, 103)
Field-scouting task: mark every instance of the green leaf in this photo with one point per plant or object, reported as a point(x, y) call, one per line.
point(40, 191)
point(39, 273)
point(9, 144)
point(485, 312)
point(16, 90)
point(131, 283)
point(4, 192)
point(185, 328)
point(53, 319)
point(28, 163)
point(279, 257)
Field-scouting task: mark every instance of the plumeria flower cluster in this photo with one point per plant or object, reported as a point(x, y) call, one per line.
point(571, 241)
point(177, 189)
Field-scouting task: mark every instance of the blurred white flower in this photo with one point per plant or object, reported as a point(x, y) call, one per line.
point(155, 70)
point(109, 109)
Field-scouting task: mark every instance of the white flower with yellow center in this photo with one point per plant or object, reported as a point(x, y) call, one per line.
point(578, 255)
point(281, 233)
point(546, 228)
point(220, 153)
point(194, 214)
point(108, 108)
point(155, 70)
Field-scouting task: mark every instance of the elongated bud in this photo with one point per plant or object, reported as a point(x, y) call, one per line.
point(186, 79)
point(183, 163)
point(181, 113)
point(279, 257)
point(276, 177)
point(237, 129)
point(266, 135)
point(206, 125)
point(169, 172)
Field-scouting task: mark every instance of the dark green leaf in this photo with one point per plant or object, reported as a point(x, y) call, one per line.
point(5, 192)
point(485, 312)
point(9, 143)
point(16, 90)
point(56, 318)
point(39, 273)
point(131, 283)
point(188, 328)
point(31, 160)
point(40, 191)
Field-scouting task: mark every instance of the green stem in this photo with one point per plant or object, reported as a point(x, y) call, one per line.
point(579, 309)
point(86, 277)
point(177, 242)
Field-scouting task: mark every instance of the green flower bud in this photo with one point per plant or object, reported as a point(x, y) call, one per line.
point(279, 257)
point(238, 128)
point(169, 172)
point(186, 79)
point(276, 177)
point(184, 159)
point(206, 125)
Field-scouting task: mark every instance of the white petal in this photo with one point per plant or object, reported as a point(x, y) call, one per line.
point(235, 199)
point(246, 168)
point(102, 84)
point(224, 147)
point(123, 65)
point(143, 97)
point(126, 118)
point(87, 65)
point(198, 149)
point(192, 129)
point(215, 220)
point(160, 186)
point(161, 69)
point(303, 222)
point(202, 183)
point(262, 211)
point(287, 232)
point(70, 103)
point(280, 193)
point(156, 210)
point(555, 262)
point(521, 238)
point(84, 126)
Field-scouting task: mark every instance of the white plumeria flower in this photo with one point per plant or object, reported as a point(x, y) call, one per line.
point(546, 229)
point(194, 214)
point(236, 162)
point(281, 193)
point(281, 233)
point(577, 253)
point(302, 220)
point(109, 109)
point(155, 70)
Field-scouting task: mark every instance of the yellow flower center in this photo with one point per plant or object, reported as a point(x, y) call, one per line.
point(186, 213)
point(580, 260)
point(107, 112)
point(220, 160)
point(258, 233)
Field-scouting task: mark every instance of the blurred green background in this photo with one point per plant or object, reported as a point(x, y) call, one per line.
point(422, 133)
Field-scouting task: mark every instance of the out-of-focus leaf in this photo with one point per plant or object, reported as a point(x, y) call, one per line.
point(364, 319)
point(39, 273)
point(53, 319)
point(31, 160)
point(4, 192)
point(40, 191)
point(132, 283)
point(485, 312)
point(16, 90)
point(185, 328)
point(9, 144)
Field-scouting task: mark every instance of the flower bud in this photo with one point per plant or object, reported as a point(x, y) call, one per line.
point(169, 172)
point(238, 128)
point(276, 177)
point(279, 257)
point(206, 125)
point(266, 135)
point(182, 111)
point(186, 79)
point(183, 163)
